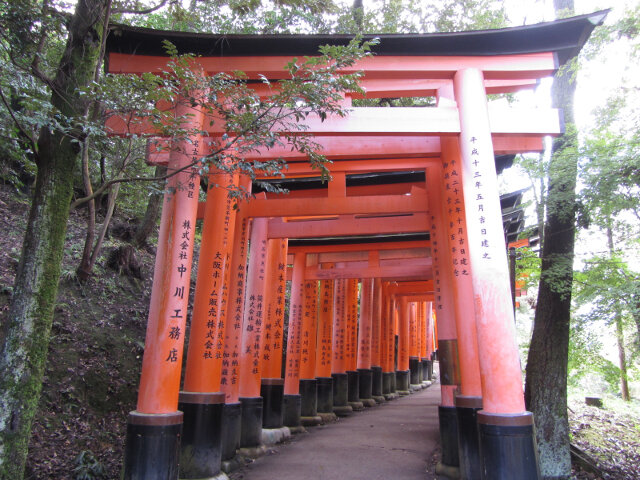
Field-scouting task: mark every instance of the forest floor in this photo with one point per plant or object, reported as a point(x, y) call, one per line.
point(95, 354)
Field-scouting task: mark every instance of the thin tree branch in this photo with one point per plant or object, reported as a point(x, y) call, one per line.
point(141, 12)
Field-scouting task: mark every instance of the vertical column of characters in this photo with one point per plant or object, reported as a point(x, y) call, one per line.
point(274, 327)
point(229, 382)
point(338, 363)
point(325, 326)
point(310, 330)
point(206, 338)
point(296, 307)
point(254, 304)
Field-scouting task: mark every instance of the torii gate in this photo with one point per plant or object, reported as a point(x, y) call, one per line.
point(454, 143)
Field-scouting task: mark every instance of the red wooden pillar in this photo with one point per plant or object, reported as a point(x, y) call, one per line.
point(351, 354)
point(404, 320)
point(365, 374)
point(252, 336)
point(201, 399)
point(427, 365)
point(272, 356)
point(292, 399)
point(229, 381)
point(503, 411)
point(339, 363)
point(157, 412)
point(376, 342)
point(414, 344)
point(324, 348)
point(446, 317)
point(272, 383)
point(308, 382)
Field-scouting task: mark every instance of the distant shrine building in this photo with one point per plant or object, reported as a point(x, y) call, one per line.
point(396, 264)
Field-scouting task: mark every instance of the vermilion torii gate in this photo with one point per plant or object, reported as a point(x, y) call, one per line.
point(412, 209)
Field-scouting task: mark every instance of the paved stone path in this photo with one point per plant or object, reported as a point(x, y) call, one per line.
point(394, 440)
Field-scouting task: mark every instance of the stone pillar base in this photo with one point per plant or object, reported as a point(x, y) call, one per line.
point(251, 426)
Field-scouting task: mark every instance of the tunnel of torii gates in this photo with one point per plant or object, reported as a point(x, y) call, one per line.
point(405, 242)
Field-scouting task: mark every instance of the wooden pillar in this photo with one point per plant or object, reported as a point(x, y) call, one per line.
point(503, 401)
point(157, 409)
point(201, 400)
point(296, 312)
point(309, 330)
point(292, 399)
point(325, 327)
point(272, 383)
point(365, 374)
point(404, 331)
point(376, 329)
point(338, 363)
point(364, 327)
point(272, 356)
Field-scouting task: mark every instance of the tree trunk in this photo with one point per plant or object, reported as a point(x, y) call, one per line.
point(24, 349)
point(84, 269)
point(546, 377)
point(151, 215)
point(622, 360)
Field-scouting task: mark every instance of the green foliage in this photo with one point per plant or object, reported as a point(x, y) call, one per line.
point(88, 467)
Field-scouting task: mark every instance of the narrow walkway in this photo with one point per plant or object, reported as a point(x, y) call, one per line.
point(390, 441)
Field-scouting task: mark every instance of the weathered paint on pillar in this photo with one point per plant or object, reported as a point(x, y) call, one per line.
point(254, 311)
point(296, 311)
point(385, 327)
point(404, 314)
point(274, 328)
point(364, 326)
point(164, 341)
point(498, 350)
point(206, 337)
point(309, 330)
point(338, 363)
point(229, 383)
point(443, 290)
point(325, 328)
point(376, 323)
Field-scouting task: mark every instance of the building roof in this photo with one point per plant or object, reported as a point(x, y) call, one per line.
point(565, 37)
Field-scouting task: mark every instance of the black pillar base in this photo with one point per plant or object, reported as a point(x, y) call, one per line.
point(386, 382)
point(340, 389)
point(376, 381)
point(353, 388)
point(414, 369)
point(394, 382)
point(309, 393)
point(152, 446)
point(365, 383)
point(402, 382)
point(251, 428)
point(468, 441)
point(272, 393)
point(201, 446)
point(292, 407)
point(325, 394)
point(231, 427)
point(508, 447)
point(449, 436)
point(427, 372)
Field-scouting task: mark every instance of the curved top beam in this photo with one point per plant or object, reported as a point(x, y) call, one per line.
point(565, 37)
